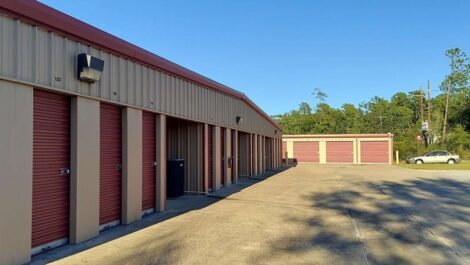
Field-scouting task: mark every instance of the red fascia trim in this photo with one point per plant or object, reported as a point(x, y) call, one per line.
point(52, 19)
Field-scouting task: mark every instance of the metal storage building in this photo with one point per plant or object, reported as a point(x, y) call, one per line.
point(338, 148)
point(77, 157)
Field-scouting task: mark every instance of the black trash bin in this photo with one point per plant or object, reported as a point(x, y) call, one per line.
point(175, 178)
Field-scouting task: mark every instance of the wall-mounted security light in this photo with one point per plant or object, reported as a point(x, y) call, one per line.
point(239, 119)
point(89, 68)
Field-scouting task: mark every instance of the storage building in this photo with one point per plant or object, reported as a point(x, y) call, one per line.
point(338, 148)
point(89, 123)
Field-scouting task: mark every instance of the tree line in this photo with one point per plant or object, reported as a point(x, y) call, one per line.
point(447, 114)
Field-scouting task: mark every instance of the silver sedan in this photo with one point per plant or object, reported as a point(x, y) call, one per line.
point(435, 157)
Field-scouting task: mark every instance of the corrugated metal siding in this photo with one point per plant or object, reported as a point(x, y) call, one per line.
point(243, 153)
point(51, 152)
point(306, 152)
point(339, 152)
point(374, 152)
point(110, 163)
point(35, 55)
point(185, 142)
point(149, 152)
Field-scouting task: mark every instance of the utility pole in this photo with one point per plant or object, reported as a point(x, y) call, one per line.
point(429, 111)
point(445, 113)
point(421, 106)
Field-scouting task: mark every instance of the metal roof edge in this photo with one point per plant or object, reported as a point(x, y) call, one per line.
point(35, 12)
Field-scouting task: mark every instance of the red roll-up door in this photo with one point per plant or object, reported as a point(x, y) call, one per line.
point(339, 152)
point(374, 152)
point(222, 156)
point(149, 151)
point(306, 152)
point(110, 163)
point(210, 155)
point(51, 159)
point(284, 149)
point(232, 149)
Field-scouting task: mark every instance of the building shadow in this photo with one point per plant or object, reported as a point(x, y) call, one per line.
point(175, 207)
point(420, 221)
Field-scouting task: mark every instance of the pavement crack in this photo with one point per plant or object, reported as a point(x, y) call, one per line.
point(415, 220)
point(359, 236)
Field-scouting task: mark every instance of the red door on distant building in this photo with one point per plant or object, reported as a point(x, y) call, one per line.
point(374, 152)
point(340, 152)
point(306, 152)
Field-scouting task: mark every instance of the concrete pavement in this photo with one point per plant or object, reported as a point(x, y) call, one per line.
point(309, 214)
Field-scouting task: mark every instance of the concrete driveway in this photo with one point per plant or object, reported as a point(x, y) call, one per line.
point(312, 214)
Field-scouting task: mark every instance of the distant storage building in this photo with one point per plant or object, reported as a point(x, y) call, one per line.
point(338, 148)
point(89, 123)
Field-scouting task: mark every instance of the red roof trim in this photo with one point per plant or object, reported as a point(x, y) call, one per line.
point(38, 13)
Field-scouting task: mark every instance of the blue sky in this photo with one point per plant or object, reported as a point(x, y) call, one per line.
point(277, 52)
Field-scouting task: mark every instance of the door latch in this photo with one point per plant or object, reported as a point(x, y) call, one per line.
point(64, 171)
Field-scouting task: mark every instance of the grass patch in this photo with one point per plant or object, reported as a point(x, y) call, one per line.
point(459, 166)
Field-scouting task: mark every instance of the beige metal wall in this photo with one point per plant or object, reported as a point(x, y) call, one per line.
point(16, 172)
point(131, 165)
point(41, 58)
point(85, 169)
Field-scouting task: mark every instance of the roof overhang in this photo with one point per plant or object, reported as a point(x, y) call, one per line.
point(42, 15)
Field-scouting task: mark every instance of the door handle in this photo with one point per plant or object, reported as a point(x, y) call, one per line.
point(64, 171)
point(118, 167)
point(154, 163)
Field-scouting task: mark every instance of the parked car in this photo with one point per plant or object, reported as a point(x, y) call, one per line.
point(435, 157)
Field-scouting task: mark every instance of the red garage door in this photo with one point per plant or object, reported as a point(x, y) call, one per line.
point(51, 159)
point(232, 150)
point(110, 163)
point(210, 155)
point(149, 151)
point(374, 152)
point(222, 155)
point(339, 152)
point(306, 152)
